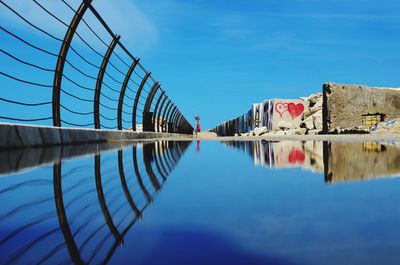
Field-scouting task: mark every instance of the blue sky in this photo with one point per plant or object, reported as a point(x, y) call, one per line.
point(217, 57)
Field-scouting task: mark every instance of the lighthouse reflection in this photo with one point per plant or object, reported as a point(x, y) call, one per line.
point(79, 211)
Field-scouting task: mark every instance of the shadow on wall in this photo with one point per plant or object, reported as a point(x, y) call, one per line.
point(340, 162)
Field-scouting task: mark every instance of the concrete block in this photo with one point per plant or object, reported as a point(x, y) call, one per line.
point(345, 105)
point(288, 113)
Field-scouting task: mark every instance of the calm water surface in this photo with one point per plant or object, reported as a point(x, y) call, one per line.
point(202, 203)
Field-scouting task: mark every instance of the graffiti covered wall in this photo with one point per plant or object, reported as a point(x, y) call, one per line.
point(287, 113)
point(271, 115)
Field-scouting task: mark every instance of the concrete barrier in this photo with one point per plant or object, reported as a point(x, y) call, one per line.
point(352, 106)
point(16, 135)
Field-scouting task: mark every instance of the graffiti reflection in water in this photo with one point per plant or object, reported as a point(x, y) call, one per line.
point(339, 161)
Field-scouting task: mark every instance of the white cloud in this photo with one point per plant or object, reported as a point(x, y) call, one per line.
point(124, 18)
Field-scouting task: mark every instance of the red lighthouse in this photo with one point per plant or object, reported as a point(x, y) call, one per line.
point(197, 123)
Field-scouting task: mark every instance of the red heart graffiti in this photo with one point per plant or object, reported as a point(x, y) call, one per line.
point(281, 108)
point(296, 156)
point(295, 110)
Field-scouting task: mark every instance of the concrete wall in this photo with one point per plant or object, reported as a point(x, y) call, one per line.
point(344, 105)
point(287, 113)
point(13, 135)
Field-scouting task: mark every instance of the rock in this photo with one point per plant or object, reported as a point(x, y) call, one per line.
point(260, 130)
point(300, 131)
point(313, 132)
point(308, 123)
point(314, 104)
point(352, 130)
point(317, 120)
point(317, 106)
point(392, 126)
point(314, 98)
point(285, 125)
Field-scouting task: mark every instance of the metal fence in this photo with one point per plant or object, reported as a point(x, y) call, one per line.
point(86, 78)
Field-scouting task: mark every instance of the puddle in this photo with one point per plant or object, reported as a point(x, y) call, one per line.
point(201, 203)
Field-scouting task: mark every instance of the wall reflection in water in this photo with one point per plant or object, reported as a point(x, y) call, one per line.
point(339, 161)
point(79, 211)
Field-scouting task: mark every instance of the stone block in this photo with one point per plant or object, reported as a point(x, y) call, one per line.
point(345, 106)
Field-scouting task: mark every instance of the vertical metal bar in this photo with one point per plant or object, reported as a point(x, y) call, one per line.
point(100, 77)
point(169, 115)
point(123, 90)
point(156, 109)
point(169, 105)
point(172, 107)
point(173, 117)
point(178, 123)
point(174, 122)
point(139, 91)
point(150, 96)
point(147, 115)
point(62, 56)
point(62, 216)
point(159, 113)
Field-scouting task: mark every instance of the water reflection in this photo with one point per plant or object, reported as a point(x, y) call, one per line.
point(339, 161)
point(80, 211)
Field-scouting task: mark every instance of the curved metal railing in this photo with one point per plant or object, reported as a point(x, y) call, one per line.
point(85, 78)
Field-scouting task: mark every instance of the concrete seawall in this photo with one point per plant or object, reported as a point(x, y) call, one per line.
point(17, 136)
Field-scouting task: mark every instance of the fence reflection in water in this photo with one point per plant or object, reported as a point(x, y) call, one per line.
point(80, 210)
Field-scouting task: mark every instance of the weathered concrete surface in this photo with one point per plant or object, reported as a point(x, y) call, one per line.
point(345, 105)
point(360, 161)
point(14, 136)
point(287, 113)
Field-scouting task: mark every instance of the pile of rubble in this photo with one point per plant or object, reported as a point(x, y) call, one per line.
point(311, 120)
point(312, 116)
point(387, 127)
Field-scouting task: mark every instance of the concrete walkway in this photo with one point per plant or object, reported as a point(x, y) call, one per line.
point(17, 136)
